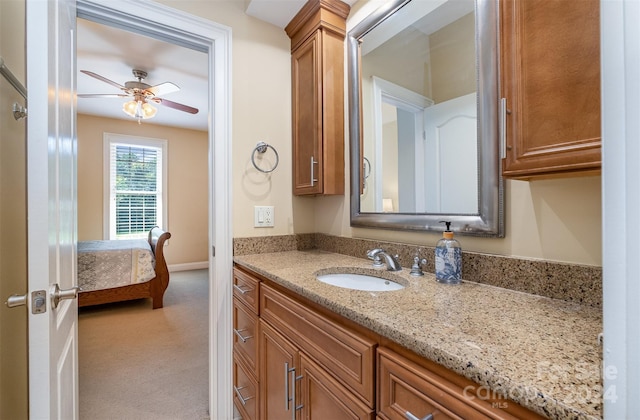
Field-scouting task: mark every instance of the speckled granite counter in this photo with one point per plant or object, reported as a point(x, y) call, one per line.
point(540, 352)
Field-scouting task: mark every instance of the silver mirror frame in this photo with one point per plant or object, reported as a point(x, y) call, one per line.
point(489, 222)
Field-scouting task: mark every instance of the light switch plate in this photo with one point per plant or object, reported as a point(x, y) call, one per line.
point(263, 216)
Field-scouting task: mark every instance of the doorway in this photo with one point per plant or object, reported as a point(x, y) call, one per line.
point(173, 26)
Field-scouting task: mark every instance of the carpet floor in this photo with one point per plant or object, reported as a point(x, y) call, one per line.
point(138, 363)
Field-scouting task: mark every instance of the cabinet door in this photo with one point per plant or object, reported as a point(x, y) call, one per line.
point(551, 82)
point(307, 116)
point(322, 397)
point(278, 394)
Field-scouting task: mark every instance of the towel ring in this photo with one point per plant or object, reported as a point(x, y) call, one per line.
point(262, 147)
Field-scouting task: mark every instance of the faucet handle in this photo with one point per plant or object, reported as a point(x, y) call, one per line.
point(374, 254)
point(416, 270)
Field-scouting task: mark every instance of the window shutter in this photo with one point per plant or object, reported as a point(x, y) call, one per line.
point(136, 189)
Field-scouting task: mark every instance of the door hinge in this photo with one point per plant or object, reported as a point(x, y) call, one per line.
point(213, 251)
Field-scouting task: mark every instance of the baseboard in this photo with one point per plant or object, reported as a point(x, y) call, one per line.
point(188, 266)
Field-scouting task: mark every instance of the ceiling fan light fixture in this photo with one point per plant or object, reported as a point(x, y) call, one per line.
point(148, 111)
point(139, 109)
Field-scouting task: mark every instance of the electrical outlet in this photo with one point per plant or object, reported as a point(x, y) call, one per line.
point(263, 216)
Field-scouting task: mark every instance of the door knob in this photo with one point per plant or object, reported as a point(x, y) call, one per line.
point(58, 294)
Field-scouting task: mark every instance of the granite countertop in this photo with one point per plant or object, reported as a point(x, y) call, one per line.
point(541, 353)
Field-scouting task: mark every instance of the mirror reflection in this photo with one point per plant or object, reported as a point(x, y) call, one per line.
point(419, 87)
point(417, 93)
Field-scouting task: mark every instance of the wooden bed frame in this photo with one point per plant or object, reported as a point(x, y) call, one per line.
point(153, 288)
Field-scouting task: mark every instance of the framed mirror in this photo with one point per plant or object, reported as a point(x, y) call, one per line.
point(423, 115)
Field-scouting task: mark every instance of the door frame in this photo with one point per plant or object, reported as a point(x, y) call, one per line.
point(171, 25)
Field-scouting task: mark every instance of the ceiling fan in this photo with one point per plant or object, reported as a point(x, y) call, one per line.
point(141, 94)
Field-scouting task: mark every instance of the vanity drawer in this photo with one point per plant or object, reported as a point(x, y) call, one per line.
point(345, 354)
point(245, 329)
point(245, 391)
point(245, 288)
point(404, 386)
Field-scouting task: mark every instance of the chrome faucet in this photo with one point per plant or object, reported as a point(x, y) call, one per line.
point(391, 261)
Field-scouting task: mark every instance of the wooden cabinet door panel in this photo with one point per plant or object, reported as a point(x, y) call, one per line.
point(245, 395)
point(348, 356)
point(307, 116)
point(551, 82)
point(245, 337)
point(322, 397)
point(276, 355)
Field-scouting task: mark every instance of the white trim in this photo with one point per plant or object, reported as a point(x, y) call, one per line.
point(188, 266)
point(162, 22)
point(407, 100)
point(620, 49)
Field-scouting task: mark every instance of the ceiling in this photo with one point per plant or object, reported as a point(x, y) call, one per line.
point(113, 53)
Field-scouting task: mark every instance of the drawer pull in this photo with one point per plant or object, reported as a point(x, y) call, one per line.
point(241, 290)
point(240, 336)
point(243, 400)
point(410, 416)
point(287, 399)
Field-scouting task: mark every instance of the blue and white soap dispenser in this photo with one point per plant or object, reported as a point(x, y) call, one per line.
point(448, 258)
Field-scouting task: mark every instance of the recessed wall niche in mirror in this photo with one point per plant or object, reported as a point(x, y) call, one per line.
point(423, 99)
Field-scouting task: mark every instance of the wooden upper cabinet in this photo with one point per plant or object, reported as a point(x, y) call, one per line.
point(550, 59)
point(317, 35)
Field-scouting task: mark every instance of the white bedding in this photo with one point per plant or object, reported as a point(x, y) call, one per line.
point(109, 264)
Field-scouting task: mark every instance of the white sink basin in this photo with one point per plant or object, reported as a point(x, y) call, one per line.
point(360, 282)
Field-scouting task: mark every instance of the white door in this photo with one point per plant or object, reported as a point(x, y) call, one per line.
point(451, 153)
point(51, 208)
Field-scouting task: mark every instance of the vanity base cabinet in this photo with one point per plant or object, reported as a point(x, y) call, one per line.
point(550, 82)
point(315, 364)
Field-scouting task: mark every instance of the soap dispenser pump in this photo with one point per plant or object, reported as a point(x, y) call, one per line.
point(448, 258)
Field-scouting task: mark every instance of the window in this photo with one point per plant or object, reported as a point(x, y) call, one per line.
point(135, 174)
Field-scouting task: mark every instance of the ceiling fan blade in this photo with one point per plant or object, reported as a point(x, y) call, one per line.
point(175, 105)
point(104, 79)
point(163, 88)
point(102, 95)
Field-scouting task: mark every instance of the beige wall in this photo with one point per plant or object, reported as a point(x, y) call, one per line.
point(261, 97)
point(13, 240)
point(452, 61)
point(187, 157)
point(558, 220)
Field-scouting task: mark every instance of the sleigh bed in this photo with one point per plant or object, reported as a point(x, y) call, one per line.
point(120, 270)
